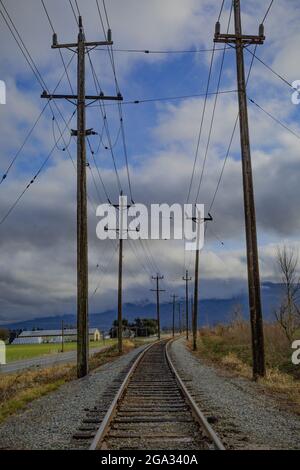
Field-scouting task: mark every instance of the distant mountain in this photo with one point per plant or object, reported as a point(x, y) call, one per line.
point(211, 312)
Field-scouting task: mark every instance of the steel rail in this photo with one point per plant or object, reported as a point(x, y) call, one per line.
point(199, 416)
point(113, 409)
point(110, 414)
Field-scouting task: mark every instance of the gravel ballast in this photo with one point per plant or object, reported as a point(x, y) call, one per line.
point(239, 411)
point(50, 421)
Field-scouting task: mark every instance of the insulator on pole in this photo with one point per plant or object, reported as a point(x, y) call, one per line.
point(261, 30)
point(109, 36)
point(217, 28)
point(54, 39)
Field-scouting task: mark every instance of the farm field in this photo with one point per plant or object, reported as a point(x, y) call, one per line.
point(16, 352)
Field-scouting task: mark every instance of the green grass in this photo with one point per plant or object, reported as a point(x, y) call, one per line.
point(16, 352)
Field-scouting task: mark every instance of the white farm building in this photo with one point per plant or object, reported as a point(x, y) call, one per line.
point(53, 336)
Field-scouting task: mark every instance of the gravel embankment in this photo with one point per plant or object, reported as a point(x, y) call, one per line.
point(49, 422)
point(243, 416)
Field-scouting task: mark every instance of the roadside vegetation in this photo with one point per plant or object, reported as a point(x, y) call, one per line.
point(19, 389)
point(229, 347)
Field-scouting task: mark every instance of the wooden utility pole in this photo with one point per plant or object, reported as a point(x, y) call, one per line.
point(157, 278)
point(121, 207)
point(120, 319)
point(179, 317)
point(187, 279)
point(62, 336)
point(174, 297)
point(195, 309)
point(196, 284)
point(240, 42)
point(82, 242)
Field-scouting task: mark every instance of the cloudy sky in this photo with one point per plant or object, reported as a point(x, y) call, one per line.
point(37, 237)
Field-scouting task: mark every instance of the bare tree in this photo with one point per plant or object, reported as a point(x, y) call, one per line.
point(288, 313)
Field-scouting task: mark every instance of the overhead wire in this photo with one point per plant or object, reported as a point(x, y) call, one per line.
point(15, 203)
point(237, 118)
point(214, 111)
point(121, 117)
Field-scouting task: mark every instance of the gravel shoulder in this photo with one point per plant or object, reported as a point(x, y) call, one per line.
point(242, 415)
point(50, 421)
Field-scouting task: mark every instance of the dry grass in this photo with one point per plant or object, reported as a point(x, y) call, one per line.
point(230, 348)
point(18, 389)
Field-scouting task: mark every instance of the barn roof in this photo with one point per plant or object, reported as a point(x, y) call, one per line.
point(67, 331)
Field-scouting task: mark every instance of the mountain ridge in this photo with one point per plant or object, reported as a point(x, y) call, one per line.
point(211, 311)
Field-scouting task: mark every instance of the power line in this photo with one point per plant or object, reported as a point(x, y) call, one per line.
point(12, 207)
point(201, 125)
point(170, 98)
point(101, 106)
point(237, 118)
point(59, 50)
point(274, 118)
point(203, 114)
point(28, 57)
point(65, 147)
point(270, 68)
point(111, 56)
point(98, 171)
point(132, 247)
point(153, 51)
point(4, 176)
point(214, 110)
point(105, 11)
point(221, 9)
point(20, 43)
point(73, 11)
point(76, 3)
point(268, 11)
point(125, 152)
point(94, 180)
point(104, 272)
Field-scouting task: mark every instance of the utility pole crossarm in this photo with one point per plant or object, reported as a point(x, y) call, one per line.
point(238, 37)
point(87, 44)
point(245, 39)
point(99, 97)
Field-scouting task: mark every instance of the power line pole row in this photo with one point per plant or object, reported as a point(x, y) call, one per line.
point(81, 133)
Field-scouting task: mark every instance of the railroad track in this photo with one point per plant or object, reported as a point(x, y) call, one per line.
point(153, 410)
